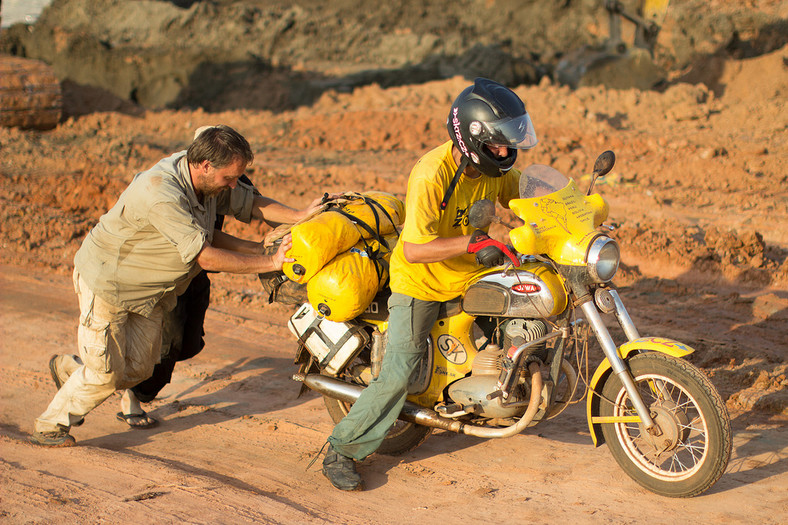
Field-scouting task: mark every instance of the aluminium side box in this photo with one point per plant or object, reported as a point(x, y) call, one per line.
point(332, 344)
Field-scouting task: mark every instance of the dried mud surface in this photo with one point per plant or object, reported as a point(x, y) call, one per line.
point(699, 204)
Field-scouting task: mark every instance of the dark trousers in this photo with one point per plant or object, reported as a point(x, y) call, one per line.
point(182, 336)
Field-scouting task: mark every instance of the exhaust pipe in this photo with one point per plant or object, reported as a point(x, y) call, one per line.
point(331, 387)
point(411, 412)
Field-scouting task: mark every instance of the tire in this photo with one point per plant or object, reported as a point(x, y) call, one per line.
point(403, 436)
point(696, 438)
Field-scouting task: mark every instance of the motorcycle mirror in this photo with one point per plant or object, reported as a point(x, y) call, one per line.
point(602, 166)
point(481, 214)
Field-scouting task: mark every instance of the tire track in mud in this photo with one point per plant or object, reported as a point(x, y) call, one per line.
point(166, 487)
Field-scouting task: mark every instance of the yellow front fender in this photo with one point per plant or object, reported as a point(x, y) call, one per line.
point(650, 344)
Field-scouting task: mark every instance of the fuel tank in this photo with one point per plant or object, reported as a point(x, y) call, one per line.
point(533, 290)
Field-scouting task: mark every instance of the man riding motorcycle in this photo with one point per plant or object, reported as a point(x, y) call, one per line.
point(436, 254)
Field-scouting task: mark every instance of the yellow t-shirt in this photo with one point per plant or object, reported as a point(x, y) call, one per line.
point(424, 222)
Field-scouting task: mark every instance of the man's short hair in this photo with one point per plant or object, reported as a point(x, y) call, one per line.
point(220, 145)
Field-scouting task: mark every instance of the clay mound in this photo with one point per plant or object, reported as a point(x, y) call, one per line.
point(756, 80)
point(262, 54)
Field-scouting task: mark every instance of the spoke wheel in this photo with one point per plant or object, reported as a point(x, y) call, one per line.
point(693, 447)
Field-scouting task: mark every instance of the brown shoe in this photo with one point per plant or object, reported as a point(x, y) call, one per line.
point(54, 439)
point(341, 471)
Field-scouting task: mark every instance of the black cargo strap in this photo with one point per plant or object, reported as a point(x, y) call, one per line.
point(377, 259)
point(381, 267)
point(374, 232)
point(280, 279)
point(374, 255)
point(374, 206)
point(453, 183)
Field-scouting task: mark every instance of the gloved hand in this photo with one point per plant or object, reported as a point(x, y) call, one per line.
point(489, 252)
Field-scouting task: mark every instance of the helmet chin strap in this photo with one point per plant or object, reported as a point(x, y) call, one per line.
point(453, 183)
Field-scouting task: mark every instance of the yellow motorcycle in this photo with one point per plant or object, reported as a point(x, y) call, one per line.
point(511, 351)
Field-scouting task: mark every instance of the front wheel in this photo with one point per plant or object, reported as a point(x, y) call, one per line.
point(694, 446)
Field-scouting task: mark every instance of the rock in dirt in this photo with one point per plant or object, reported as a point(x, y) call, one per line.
point(30, 94)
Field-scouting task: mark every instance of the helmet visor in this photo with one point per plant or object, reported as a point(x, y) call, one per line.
point(517, 133)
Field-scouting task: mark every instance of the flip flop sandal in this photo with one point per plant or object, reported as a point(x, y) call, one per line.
point(137, 420)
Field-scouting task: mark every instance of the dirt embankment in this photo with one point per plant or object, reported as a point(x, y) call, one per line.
point(262, 54)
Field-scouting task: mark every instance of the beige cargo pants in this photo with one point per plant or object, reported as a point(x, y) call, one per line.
point(118, 348)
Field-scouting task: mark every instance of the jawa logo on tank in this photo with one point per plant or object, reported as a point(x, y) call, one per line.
point(451, 349)
point(526, 288)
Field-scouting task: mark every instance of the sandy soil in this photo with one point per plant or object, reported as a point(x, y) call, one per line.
point(699, 203)
point(235, 443)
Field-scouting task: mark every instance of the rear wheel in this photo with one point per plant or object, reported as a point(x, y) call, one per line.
point(403, 436)
point(693, 449)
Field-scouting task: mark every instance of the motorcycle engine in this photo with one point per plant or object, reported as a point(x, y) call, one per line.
point(471, 392)
point(526, 330)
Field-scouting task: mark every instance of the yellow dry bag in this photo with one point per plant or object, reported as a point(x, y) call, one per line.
point(345, 286)
point(368, 215)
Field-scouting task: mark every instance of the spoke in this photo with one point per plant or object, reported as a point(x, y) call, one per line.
point(692, 448)
point(691, 426)
point(677, 461)
point(653, 389)
point(688, 466)
point(670, 390)
point(685, 404)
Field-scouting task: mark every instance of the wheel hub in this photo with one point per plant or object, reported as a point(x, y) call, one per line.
point(672, 422)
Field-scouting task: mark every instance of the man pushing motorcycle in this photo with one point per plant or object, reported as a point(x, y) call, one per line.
point(437, 252)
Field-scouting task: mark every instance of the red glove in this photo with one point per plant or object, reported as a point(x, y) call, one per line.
point(489, 252)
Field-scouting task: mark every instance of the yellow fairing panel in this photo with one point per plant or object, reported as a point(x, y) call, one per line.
point(560, 224)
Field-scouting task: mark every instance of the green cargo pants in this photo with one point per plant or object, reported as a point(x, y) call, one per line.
point(361, 432)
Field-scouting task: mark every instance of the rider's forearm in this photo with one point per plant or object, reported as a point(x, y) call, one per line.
point(436, 250)
point(221, 260)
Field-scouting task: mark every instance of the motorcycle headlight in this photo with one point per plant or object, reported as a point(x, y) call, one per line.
point(603, 258)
